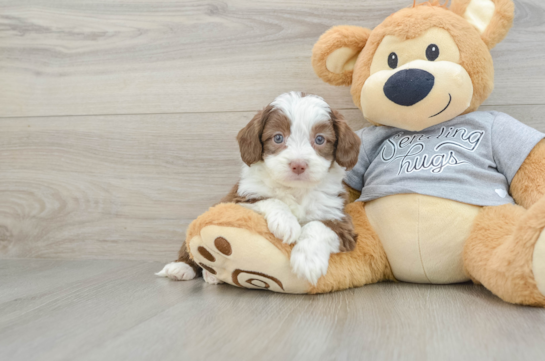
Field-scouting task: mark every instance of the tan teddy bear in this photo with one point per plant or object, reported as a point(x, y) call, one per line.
point(444, 193)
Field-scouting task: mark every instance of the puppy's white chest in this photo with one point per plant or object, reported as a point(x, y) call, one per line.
point(305, 210)
point(297, 209)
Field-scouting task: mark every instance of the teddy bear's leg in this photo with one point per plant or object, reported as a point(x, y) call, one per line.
point(506, 252)
point(234, 244)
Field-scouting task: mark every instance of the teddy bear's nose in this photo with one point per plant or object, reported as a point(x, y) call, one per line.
point(408, 87)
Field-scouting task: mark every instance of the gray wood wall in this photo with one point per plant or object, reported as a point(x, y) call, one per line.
point(117, 119)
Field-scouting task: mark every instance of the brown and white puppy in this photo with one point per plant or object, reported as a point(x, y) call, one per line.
point(295, 152)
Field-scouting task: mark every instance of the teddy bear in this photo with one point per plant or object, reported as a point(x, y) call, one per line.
point(442, 193)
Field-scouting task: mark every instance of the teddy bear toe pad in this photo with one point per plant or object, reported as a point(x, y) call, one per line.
point(244, 259)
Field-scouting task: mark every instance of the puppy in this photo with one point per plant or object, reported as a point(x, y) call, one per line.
point(295, 153)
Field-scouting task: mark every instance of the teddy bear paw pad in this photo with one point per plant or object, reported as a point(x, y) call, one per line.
point(244, 259)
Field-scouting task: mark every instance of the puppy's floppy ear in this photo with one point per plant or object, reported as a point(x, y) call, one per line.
point(335, 53)
point(348, 143)
point(249, 137)
point(493, 18)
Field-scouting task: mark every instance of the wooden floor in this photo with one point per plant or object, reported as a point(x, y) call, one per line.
point(117, 310)
point(117, 128)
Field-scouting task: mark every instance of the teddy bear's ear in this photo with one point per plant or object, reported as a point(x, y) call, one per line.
point(493, 18)
point(335, 53)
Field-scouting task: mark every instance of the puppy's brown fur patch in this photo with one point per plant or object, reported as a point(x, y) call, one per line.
point(276, 123)
point(344, 228)
point(345, 231)
point(326, 129)
point(348, 143)
point(249, 137)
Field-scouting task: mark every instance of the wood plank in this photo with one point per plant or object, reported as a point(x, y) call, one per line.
point(80, 311)
point(122, 187)
point(96, 186)
point(127, 57)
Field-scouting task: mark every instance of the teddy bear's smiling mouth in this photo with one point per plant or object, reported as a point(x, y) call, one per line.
point(445, 108)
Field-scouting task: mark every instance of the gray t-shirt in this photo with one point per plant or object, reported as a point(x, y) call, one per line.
point(471, 159)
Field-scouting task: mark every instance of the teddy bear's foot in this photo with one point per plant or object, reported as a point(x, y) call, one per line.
point(244, 259)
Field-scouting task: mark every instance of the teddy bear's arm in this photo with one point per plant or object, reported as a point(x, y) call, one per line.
point(528, 185)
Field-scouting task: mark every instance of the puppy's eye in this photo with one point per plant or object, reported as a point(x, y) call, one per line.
point(392, 60)
point(278, 138)
point(319, 140)
point(432, 52)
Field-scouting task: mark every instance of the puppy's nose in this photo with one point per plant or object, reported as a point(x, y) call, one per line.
point(298, 167)
point(408, 87)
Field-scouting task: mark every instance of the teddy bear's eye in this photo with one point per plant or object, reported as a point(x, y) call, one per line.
point(432, 52)
point(392, 60)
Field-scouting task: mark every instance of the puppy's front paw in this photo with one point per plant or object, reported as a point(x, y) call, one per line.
point(284, 226)
point(309, 261)
point(210, 278)
point(177, 271)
